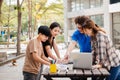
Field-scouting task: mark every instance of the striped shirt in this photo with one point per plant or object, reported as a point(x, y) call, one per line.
point(104, 52)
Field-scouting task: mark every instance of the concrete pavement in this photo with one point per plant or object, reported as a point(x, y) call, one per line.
point(9, 72)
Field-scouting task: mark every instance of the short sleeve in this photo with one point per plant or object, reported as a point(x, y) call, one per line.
point(46, 43)
point(32, 46)
point(74, 36)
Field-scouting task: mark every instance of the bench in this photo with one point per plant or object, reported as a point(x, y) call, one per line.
point(3, 56)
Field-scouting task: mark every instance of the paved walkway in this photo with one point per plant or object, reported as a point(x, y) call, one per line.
point(9, 72)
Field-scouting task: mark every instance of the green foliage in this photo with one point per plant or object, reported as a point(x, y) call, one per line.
point(24, 26)
point(23, 38)
point(5, 43)
point(1, 38)
point(54, 12)
point(9, 15)
point(17, 7)
point(60, 39)
point(48, 14)
point(13, 33)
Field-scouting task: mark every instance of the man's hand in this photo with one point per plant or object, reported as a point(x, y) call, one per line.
point(58, 61)
point(66, 56)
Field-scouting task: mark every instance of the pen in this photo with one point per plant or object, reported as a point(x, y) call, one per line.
point(55, 62)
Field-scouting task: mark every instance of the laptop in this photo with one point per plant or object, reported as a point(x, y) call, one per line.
point(81, 60)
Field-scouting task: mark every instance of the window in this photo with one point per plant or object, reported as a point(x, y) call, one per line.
point(98, 19)
point(114, 1)
point(92, 3)
point(82, 4)
point(116, 18)
point(77, 5)
point(72, 5)
point(86, 4)
point(116, 29)
point(99, 3)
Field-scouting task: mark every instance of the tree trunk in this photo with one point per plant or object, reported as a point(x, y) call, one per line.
point(19, 28)
point(0, 10)
point(8, 29)
point(34, 26)
point(30, 19)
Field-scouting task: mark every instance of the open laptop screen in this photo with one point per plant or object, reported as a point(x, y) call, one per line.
point(81, 60)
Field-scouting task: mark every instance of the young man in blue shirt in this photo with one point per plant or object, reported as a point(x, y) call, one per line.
point(80, 38)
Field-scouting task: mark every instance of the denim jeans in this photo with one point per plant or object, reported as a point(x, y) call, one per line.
point(29, 76)
point(114, 73)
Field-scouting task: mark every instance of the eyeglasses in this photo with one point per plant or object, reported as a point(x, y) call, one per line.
point(79, 27)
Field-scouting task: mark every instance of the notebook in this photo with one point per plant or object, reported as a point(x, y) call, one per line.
point(81, 60)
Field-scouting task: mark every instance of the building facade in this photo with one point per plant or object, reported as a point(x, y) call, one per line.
point(105, 13)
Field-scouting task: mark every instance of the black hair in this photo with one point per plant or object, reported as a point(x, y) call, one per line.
point(44, 30)
point(54, 24)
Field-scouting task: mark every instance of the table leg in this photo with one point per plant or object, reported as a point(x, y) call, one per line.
point(98, 78)
point(78, 78)
point(102, 78)
point(48, 78)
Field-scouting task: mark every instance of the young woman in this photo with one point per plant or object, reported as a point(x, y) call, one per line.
point(104, 54)
point(51, 43)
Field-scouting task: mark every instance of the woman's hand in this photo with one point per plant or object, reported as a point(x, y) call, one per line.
point(61, 61)
point(96, 66)
point(58, 61)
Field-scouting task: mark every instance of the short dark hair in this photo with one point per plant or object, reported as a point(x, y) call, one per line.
point(44, 30)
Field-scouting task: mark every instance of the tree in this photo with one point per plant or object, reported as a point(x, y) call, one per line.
point(30, 19)
point(8, 19)
point(8, 29)
point(1, 1)
point(38, 12)
point(38, 7)
point(19, 26)
point(43, 12)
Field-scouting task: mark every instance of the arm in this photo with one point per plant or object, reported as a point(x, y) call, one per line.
point(70, 48)
point(56, 49)
point(39, 59)
point(49, 52)
point(102, 48)
point(45, 58)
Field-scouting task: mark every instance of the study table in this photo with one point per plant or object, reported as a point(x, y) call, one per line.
point(102, 73)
